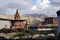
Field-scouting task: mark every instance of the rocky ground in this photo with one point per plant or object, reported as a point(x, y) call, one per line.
point(8, 36)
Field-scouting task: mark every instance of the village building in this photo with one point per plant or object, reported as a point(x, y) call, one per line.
point(15, 23)
point(18, 23)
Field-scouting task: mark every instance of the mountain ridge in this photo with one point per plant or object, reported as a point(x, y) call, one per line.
point(36, 15)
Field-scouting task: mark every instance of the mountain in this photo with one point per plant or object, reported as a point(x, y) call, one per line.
point(10, 16)
point(7, 16)
point(36, 15)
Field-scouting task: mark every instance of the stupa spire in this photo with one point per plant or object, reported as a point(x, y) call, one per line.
point(17, 16)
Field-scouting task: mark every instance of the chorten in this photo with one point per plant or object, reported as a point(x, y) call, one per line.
point(17, 22)
point(17, 16)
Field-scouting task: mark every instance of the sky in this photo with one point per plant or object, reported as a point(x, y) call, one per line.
point(48, 7)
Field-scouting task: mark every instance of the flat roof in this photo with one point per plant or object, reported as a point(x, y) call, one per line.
point(17, 20)
point(11, 19)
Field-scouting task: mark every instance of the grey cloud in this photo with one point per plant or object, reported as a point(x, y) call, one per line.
point(55, 2)
point(10, 6)
point(18, 6)
point(14, 4)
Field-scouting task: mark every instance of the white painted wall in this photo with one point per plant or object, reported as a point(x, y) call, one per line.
point(5, 24)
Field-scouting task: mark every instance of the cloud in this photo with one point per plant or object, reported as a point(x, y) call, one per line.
point(55, 2)
point(6, 6)
point(34, 8)
point(48, 7)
